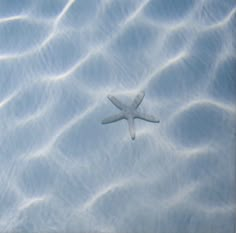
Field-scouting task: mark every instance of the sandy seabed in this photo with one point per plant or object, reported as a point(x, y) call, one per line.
point(61, 170)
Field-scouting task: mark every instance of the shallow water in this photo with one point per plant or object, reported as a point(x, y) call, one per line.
point(61, 170)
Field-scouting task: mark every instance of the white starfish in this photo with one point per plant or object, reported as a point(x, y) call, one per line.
point(129, 113)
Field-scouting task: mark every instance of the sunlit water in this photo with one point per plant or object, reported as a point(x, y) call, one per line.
point(61, 170)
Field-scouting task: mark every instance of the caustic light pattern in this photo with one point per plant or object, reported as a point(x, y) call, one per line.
point(61, 170)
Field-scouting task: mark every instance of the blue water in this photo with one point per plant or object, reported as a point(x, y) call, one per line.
point(61, 170)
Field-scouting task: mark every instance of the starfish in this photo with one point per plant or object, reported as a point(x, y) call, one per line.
point(129, 113)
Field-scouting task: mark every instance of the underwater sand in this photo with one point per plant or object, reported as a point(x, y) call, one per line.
point(61, 170)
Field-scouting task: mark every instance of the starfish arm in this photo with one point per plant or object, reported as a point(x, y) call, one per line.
point(113, 118)
point(147, 117)
point(116, 102)
point(131, 128)
point(138, 100)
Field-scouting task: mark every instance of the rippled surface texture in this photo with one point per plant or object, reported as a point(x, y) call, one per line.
point(61, 170)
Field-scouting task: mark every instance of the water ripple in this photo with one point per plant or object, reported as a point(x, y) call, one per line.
point(62, 169)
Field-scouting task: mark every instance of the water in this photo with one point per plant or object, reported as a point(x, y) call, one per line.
point(61, 170)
